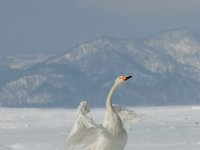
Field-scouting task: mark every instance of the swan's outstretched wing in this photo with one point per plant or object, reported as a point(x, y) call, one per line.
point(84, 131)
point(127, 116)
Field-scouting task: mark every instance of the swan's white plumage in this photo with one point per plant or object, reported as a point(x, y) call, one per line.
point(94, 136)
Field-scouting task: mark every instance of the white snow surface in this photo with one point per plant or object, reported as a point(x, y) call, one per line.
point(162, 128)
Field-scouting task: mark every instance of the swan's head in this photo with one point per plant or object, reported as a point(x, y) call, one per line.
point(121, 79)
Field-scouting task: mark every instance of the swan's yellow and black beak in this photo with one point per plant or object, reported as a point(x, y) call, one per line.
point(126, 77)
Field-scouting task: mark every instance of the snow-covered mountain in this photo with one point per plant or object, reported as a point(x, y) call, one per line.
point(166, 70)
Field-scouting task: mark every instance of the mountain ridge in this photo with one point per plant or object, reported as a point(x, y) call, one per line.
point(166, 71)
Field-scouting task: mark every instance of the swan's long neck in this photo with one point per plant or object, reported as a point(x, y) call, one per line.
point(113, 122)
point(109, 107)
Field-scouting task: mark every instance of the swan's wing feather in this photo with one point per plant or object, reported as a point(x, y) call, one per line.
point(84, 131)
point(127, 116)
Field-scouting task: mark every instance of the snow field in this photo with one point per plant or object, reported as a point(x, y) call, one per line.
point(174, 128)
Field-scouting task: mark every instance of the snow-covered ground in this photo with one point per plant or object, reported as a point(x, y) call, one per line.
point(162, 128)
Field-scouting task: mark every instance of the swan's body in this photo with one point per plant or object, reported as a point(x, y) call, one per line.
point(112, 136)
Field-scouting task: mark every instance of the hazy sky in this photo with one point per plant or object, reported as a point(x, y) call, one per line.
point(54, 26)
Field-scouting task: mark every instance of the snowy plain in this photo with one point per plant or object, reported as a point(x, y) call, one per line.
point(162, 128)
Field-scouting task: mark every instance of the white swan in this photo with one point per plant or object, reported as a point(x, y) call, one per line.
point(96, 137)
point(114, 137)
